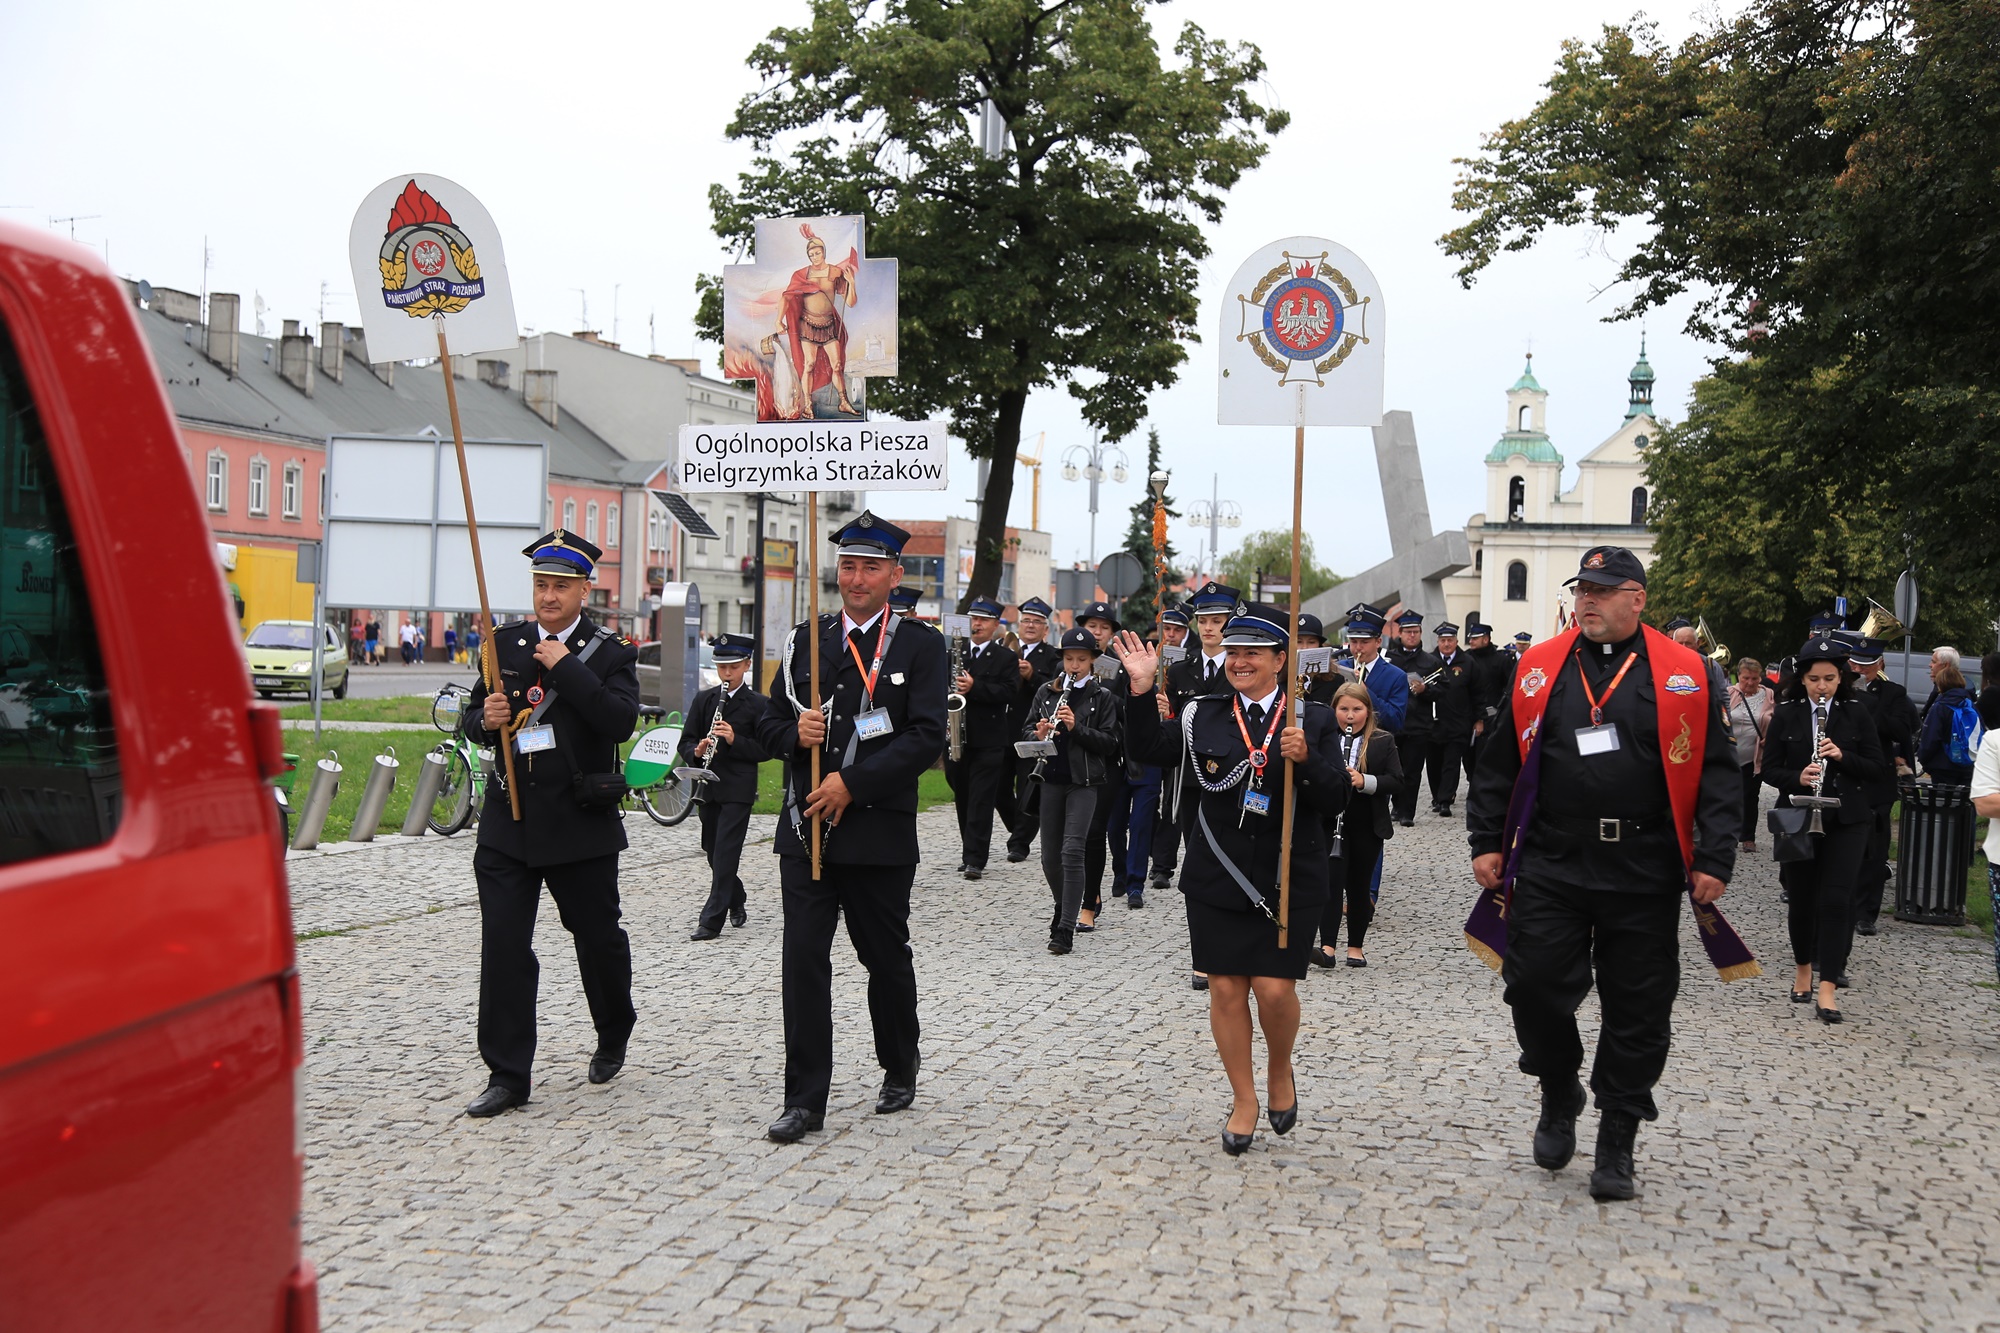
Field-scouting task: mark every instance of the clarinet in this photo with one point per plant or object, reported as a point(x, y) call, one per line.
point(1340, 822)
point(715, 741)
point(1062, 698)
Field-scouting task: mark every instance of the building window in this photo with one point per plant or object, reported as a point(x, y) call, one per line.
point(746, 618)
point(288, 496)
point(654, 542)
point(1479, 559)
point(1521, 422)
point(1517, 499)
point(795, 532)
point(590, 522)
point(611, 525)
point(701, 543)
point(218, 482)
point(1638, 505)
point(322, 495)
point(569, 516)
point(260, 487)
point(1517, 582)
point(729, 535)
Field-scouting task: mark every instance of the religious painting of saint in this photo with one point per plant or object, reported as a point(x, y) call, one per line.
point(810, 320)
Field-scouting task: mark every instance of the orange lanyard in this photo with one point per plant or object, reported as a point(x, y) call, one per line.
point(868, 673)
point(1597, 704)
point(1258, 753)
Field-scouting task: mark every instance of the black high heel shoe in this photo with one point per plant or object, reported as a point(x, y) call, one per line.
point(1827, 1015)
point(1282, 1121)
point(1237, 1144)
point(1802, 997)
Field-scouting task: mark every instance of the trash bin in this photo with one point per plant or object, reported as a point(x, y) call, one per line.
point(1934, 852)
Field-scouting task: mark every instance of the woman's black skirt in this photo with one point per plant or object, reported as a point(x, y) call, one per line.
point(1228, 943)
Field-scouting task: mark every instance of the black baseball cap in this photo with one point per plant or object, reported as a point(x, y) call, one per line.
point(1608, 566)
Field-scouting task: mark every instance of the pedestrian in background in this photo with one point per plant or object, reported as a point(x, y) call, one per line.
point(374, 642)
point(1748, 707)
point(1951, 723)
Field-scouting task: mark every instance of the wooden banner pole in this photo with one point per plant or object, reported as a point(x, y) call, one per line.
point(1292, 704)
point(812, 649)
point(488, 661)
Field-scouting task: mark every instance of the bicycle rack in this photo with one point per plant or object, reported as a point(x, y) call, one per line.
point(430, 780)
point(375, 796)
point(319, 800)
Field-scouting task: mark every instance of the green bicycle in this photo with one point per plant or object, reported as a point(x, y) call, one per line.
point(467, 767)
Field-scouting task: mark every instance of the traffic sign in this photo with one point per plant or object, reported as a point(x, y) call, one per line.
point(1120, 575)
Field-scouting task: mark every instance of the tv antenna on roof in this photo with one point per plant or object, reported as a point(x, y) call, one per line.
point(80, 217)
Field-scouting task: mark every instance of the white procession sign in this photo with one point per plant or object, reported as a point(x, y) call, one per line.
point(812, 456)
point(1302, 338)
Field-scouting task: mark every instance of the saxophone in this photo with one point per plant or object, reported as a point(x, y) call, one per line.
point(954, 705)
point(1062, 698)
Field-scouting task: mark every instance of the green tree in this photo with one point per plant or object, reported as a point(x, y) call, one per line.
point(1823, 178)
point(1070, 258)
point(1137, 612)
point(1271, 551)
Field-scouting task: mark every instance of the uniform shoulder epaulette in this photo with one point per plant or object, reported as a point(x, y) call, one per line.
point(627, 642)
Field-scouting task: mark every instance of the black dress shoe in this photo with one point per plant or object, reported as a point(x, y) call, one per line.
point(794, 1124)
point(1163, 879)
point(1236, 1144)
point(738, 917)
point(605, 1064)
point(1612, 1176)
point(1198, 981)
point(1135, 900)
point(1282, 1121)
point(1014, 857)
point(972, 872)
point(1356, 962)
point(1407, 823)
point(704, 933)
point(1802, 997)
point(1872, 926)
point(495, 1100)
point(898, 1091)
point(1555, 1132)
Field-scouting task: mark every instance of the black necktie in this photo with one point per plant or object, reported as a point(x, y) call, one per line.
point(1256, 716)
point(1213, 672)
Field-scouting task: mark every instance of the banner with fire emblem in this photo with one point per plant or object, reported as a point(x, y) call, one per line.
point(423, 250)
point(1301, 344)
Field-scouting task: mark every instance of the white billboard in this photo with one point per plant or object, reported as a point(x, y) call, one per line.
point(396, 536)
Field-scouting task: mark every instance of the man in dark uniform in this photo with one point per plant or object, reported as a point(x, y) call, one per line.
point(991, 679)
point(731, 711)
point(570, 690)
point(1039, 662)
point(881, 725)
point(1452, 718)
point(1522, 642)
point(1413, 742)
point(1175, 630)
point(1201, 671)
point(1895, 727)
point(1630, 810)
point(1492, 676)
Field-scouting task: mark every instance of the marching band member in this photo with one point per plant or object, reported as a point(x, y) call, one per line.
point(1823, 742)
point(991, 679)
point(1040, 662)
point(1355, 836)
point(1455, 711)
point(1413, 743)
point(1175, 630)
point(1238, 747)
point(721, 736)
point(1084, 720)
point(1102, 623)
point(1387, 683)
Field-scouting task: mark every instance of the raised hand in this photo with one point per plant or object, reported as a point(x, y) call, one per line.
point(1141, 660)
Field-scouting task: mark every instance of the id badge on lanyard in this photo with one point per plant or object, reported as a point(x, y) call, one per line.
point(1600, 737)
point(873, 722)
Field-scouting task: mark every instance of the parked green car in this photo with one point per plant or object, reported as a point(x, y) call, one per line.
point(280, 653)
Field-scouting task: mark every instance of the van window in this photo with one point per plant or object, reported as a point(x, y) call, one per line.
point(59, 787)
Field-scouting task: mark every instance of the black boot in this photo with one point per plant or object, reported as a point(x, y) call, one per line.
point(1612, 1178)
point(1555, 1132)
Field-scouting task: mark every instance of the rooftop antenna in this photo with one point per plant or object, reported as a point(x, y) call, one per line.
point(257, 305)
point(584, 298)
point(652, 339)
point(614, 310)
point(206, 256)
point(80, 217)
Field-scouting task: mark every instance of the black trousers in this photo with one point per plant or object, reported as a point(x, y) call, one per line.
point(1167, 829)
point(1067, 814)
point(1557, 934)
point(1752, 790)
point(1350, 877)
point(1819, 907)
point(875, 900)
point(1412, 749)
point(1109, 797)
point(1447, 756)
point(586, 894)
point(980, 790)
point(1874, 868)
point(723, 824)
point(1027, 809)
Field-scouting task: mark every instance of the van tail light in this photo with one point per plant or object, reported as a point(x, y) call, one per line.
point(267, 738)
point(302, 1299)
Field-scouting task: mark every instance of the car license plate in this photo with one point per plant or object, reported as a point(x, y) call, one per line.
point(271, 681)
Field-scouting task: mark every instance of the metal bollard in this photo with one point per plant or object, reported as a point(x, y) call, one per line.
point(430, 781)
point(319, 800)
point(375, 796)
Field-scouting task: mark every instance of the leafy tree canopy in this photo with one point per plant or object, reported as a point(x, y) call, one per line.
point(1271, 551)
point(1823, 177)
point(1071, 258)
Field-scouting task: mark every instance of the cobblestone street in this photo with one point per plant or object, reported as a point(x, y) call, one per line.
point(1061, 1168)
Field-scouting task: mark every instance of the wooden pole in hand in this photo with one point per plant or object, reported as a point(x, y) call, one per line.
point(489, 670)
point(1285, 682)
point(812, 649)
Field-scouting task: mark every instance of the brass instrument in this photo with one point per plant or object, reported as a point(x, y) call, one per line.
point(1817, 801)
point(1880, 624)
point(1705, 644)
point(1011, 642)
point(954, 705)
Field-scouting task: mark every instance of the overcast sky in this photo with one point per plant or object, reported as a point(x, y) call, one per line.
point(592, 132)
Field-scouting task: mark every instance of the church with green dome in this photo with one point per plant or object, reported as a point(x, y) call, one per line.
point(1533, 532)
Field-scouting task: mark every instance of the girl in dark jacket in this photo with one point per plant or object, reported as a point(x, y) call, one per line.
point(1846, 761)
point(1356, 835)
point(1083, 718)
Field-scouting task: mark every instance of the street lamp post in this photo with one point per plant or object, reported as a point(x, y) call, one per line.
point(1092, 460)
point(1215, 513)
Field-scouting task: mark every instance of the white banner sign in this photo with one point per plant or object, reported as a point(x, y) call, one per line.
point(425, 250)
point(1301, 344)
point(812, 456)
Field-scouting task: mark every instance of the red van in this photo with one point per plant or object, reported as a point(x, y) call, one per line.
point(151, 1157)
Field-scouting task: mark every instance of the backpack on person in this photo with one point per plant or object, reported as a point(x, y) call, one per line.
point(1966, 732)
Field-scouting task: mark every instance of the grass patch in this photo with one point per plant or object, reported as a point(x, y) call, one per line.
point(414, 710)
point(357, 751)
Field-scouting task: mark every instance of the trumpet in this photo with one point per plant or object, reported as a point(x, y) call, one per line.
point(1705, 644)
point(954, 706)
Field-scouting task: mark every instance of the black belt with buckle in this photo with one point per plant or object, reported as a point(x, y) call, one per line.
point(1607, 830)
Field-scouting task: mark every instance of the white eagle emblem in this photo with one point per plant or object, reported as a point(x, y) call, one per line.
point(1303, 322)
